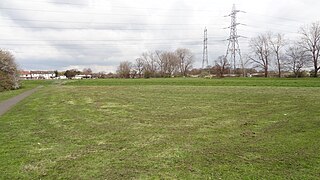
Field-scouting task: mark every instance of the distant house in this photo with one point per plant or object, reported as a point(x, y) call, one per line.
point(24, 75)
point(37, 75)
point(83, 77)
point(62, 77)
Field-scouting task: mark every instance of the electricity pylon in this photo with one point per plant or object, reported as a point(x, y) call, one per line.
point(233, 54)
point(205, 62)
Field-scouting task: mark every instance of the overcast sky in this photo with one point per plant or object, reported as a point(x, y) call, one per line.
point(98, 34)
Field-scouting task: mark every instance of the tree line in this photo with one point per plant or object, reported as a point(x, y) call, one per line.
point(158, 64)
point(272, 52)
point(270, 49)
point(269, 52)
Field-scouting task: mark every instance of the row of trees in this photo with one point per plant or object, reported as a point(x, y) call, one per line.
point(268, 52)
point(273, 49)
point(9, 76)
point(73, 72)
point(158, 64)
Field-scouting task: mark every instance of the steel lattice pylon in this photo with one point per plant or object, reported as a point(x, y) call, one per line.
point(205, 61)
point(233, 54)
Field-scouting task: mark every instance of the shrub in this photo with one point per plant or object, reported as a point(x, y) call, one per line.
point(9, 76)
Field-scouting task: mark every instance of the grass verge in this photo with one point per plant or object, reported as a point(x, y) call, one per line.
point(25, 86)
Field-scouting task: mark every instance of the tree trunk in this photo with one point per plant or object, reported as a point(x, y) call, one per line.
point(315, 68)
point(279, 69)
point(266, 72)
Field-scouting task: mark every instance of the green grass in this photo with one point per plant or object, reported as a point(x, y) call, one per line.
point(163, 132)
point(271, 82)
point(25, 86)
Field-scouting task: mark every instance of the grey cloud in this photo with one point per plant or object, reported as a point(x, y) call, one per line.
point(114, 20)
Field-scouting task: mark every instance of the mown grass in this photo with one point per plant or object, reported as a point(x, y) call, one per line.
point(163, 132)
point(25, 86)
point(266, 82)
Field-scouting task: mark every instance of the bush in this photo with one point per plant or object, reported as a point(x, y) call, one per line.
point(9, 76)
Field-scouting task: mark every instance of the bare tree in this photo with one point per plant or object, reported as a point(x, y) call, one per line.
point(139, 66)
point(150, 65)
point(186, 60)
point(161, 61)
point(87, 71)
point(310, 42)
point(167, 62)
point(172, 63)
point(277, 43)
point(124, 69)
point(296, 59)
point(261, 52)
point(101, 74)
point(9, 76)
point(221, 65)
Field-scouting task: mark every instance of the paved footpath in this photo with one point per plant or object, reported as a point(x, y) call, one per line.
point(8, 104)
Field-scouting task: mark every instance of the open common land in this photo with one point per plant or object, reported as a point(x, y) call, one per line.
point(163, 129)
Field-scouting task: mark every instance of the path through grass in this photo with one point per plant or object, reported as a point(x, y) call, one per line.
point(25, 86)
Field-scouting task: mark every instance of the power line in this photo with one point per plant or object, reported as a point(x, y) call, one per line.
point(99, 28)
point(123, 7)
point(233, 38)
point(91, 45)
point(59, 21)
point(102, 23)
point(164, 9)
point(277, 17)
point(116, 43)
point(116, 40)
point(270, 28)
point(144, 24)
point(262, 22)
point(94, 13)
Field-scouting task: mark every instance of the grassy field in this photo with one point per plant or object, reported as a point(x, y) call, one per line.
point(25, 86)
point(165, 129)
point(264, 82)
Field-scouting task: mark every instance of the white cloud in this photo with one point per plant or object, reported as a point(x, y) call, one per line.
point(60, 34)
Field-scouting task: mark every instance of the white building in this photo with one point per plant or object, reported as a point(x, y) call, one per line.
point(37, 75)
point(83, 77)
point(62, 77)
